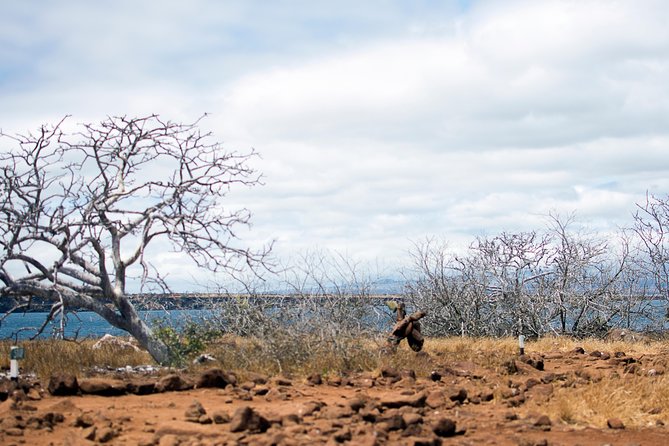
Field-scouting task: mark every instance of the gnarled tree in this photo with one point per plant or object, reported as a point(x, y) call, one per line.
point(79, 210)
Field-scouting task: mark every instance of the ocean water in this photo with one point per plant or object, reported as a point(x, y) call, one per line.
point(86, 324)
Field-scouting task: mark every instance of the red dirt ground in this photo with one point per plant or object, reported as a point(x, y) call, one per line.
point(488, 407)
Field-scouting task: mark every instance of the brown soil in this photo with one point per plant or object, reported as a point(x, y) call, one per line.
point(460, 404)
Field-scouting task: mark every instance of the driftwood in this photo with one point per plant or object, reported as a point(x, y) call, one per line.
point(407, 327)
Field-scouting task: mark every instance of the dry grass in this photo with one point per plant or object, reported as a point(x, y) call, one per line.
point(565, 344)
point(45, 357)
point(636, 400)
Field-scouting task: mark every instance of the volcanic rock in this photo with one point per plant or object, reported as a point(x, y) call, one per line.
point(394, 401)
point(102, 387)
point(172, 383)
point(63, 385)
point(444, 427)
point(247, 419)
point(215, 378)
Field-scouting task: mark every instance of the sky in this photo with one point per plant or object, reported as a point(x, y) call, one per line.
point(379, 123)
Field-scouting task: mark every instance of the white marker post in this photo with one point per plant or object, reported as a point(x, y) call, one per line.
point(15, 353)
point(521, 344)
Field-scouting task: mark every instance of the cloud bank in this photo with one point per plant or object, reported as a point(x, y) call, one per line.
point(377, 124)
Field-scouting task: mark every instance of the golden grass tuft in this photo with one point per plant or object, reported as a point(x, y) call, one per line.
point(45, 357)
point(637, 400)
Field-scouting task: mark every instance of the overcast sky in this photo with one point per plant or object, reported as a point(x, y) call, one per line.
point(379, 122)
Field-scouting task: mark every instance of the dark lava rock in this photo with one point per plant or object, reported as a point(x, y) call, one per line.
point(215, 378)
point(105, 434)
point(459, 396)
point(172, 383)
point(444, 427)
point(63, 385)
point(435, 376)
point(534, 361)
point(84, 420)
point(141, 387)
point(247, 419)
point(102, 387)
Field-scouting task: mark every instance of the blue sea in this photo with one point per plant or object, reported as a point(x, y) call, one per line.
point(86, 324)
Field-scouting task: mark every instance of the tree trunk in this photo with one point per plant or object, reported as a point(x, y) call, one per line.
point(156, 348)
point(129, 320)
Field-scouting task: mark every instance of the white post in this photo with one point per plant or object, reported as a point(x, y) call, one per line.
point(521, 344)
point(13, 366)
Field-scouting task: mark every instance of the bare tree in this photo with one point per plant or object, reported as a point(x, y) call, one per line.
point(651, 224)
point(80, 210)
point(448, 287)
point(587, 279)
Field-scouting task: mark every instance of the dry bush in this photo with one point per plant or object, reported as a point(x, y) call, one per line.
point(294, 354)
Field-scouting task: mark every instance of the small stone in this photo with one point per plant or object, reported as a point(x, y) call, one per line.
point(412, 418)
point(194, 412)
point(416, 400)
point(389, 372)
point(615, 423)
point(542, 421)
point(459, 396)
point(435, 399)
point(510, 416)
point(33, 394)
point(247, 419)
point(220, 417)
point(260, 390)
point(390, 424)
point(89, 433)
point(342, 435)
point(169, 440)
point(247, 385)
point(336, 412)
point(435, 376)
point(309, 408)
point(280, 381)
point(315, 379)
point(444, 427)
point(357, 403)
point(204, 419)
point(14, 432)
point(290, 419)
point(84, 420)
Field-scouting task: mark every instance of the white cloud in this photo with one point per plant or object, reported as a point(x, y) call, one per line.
point(377, 123)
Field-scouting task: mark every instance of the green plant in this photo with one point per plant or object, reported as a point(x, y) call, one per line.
point(184, 342)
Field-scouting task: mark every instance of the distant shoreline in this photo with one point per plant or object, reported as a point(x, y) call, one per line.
point(186, 301)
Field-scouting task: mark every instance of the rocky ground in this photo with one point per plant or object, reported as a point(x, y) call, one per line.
point(456, 403)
